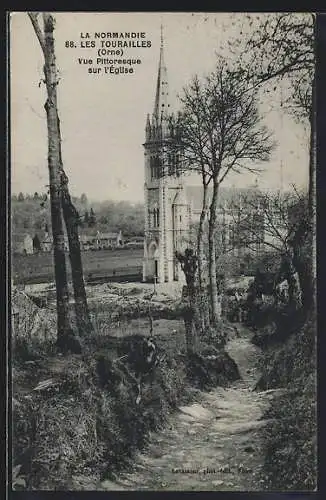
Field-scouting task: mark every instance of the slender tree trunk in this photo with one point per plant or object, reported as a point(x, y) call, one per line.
point(295, 293)
point(202, 293)
point(212, 257)
point(70, 214)
point(192, 321)
point(50, 72)
point(84, 324)
point(200, 238)
point(189, 263)
point(312, 200)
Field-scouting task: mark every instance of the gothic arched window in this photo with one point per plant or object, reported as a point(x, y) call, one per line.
point(156, 217)
point(151, 161)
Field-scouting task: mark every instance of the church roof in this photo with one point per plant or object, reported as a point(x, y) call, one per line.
point(161, 105)
point(225, 195)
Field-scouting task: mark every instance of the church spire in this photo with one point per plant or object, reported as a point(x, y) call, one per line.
point(161, 106)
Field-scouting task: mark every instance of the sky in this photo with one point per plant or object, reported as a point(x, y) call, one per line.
point(103, 116)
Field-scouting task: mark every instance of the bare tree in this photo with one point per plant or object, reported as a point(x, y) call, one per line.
point(222, 132)
point(61, 205)
point(193, 124)
point(278, 221)
point(281, 47)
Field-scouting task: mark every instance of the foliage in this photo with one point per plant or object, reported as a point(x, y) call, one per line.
point(290, 439)
point(276, 47)
point(83, 199)
point(34, 216)
point(91, 218)
point(279, 220)
point(77, 426)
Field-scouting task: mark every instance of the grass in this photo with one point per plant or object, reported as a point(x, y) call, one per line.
point(290, 440)
point(83, 425)
point(77, 426)
point(37, 268)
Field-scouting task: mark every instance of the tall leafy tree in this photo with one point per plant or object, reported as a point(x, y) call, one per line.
point(92, 218)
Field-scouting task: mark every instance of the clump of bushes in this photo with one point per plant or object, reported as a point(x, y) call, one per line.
point(211, 367)
point(79, 424)
point(76, 426)
point(290, 439)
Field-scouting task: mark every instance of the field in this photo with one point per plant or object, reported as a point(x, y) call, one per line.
point(101, 265)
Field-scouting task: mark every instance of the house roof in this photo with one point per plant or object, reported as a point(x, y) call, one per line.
point(18, 238)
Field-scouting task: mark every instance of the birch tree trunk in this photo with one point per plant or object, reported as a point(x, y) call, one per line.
point(60, 270)
point(192, 322)
point(202, 295)
point(215, 310)
point(200, 238)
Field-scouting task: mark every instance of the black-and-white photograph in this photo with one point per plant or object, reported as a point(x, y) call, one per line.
point(163, 253)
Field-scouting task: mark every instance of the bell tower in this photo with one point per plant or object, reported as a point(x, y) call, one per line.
point(167, 213)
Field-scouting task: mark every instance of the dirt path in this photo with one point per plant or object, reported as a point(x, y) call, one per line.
point(213, 444)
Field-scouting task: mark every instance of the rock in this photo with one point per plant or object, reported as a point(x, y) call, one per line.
point(196, 411)
point(191, 432)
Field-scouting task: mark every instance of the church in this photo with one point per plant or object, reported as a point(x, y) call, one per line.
point(167, 211)
point(172, 208)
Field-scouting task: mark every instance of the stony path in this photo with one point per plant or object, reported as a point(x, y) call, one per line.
point(213, 444)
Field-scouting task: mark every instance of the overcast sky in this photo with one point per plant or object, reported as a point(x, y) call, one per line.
point(103, 116)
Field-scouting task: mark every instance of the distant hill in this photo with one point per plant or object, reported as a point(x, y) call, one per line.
point(31, 215)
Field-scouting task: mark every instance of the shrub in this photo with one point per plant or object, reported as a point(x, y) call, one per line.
point(290, 440)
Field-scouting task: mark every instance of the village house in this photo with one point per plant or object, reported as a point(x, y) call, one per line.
point(22, 244)
point(86, 242)
point(108, 240)
point(46, 242)
point(99, 240)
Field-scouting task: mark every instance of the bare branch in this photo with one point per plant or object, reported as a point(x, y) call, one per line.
point(37, 29)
